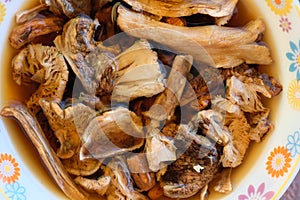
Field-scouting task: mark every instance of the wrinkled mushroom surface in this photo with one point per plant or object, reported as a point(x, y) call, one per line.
point(68, 125)
point(53, 164)
point(45, 66)
point(30, 30)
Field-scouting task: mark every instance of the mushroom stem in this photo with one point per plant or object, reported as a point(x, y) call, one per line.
point(48, 157)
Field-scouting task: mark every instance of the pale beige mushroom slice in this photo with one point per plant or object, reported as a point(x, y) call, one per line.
point(45, 66)
point(138, 74)
point(121, 186)
point(68, 125)
point(99, 185)
point(164, 106)
point(226, 46)
point(26, 32)
point(179, 8)
point(112, 133)
point(48, 157)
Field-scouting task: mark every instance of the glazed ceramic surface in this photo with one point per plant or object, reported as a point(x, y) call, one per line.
point(268, 168)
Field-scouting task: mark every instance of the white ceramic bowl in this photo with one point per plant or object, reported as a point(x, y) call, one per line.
point(268, 168)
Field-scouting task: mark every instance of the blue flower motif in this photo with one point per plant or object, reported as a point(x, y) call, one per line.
point(294, 56)
point(293, 144)
point(15, 192)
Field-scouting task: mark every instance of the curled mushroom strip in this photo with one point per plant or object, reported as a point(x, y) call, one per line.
point(45, 66)
point(227, 46)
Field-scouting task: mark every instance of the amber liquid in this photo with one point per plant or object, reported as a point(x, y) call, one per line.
point(13, 92)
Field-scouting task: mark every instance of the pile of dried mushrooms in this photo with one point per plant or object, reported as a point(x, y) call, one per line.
point(142, 115)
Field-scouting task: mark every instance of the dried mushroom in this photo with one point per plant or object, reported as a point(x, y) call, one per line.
point(112, 133)
point(227, 46)
point(30, 30)
point(78, 167)
point(52, 163)
point(140, 172)
point(166, 102)
point(68, 7)
point(164, 110)
point(121, 186)
point(45, 66)
point(99, 185)
point(179, 8)
point(68, 125)
point(76, 43)
point(139, 73)
point(27, 15)
point(192, 171)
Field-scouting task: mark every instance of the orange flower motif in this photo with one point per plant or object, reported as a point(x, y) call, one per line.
point(9, 169)
point(2, 12)
point(278, 162)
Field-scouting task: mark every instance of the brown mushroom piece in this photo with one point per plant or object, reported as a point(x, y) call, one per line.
point(140, 172)
point(78, 167)
point(121, 186)
point(191, 172)
point(227, 46)
point(78, 46)
point(112, 133)
point(99, 185)
point(26, 15)
point(48, 157)
point(69, 8)
point(68, 125)
point(165, 103)
point(179, 8)
point(45, 66)
point(30, 30)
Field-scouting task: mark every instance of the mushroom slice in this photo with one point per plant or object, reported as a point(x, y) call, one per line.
point(68, 7)
point(26, 15)
point(191, 172)
point(68, 125)
point(112, 133)
point(99, 185)
point(211, 123)
point(79, 167)
point(245, 95)
point(227, 46)
point(179, 8)
point(30, 30)
point(158, 144)
point(43, 65)
point(260, 124)
point(86, 57)
point(121, 184)
point(139, 73)
point(48, 157)
point(235, 150)
point(140, 172)
point(166, 102)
